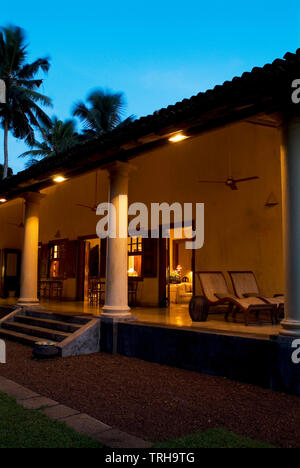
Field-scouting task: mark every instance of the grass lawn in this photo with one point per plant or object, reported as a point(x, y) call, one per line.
point(22, 428)
point(213, 438)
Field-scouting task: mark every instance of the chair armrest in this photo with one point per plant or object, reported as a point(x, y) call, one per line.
point(252, 295)
point(221, 295)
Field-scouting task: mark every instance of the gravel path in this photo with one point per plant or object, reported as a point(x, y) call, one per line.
point(157, 402)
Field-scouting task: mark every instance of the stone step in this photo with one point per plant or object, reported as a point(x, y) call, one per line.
point(48, 323)
point(5, 311)
point(18, 337)
point(58, 317)
point(42, 333)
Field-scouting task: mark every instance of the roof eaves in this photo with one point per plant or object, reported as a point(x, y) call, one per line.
point(260, 84)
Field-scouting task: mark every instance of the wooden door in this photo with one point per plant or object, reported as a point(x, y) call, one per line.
point(163, 271)
point(11, 275)
point(86, 268)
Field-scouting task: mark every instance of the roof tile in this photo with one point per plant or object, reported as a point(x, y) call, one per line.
point(270, 81)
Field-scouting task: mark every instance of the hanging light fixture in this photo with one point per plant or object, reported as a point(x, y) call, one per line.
point(177, 137)
point(59, 179)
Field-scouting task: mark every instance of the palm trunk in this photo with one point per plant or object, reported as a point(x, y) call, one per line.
point(5, 169)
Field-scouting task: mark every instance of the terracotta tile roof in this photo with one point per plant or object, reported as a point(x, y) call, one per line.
point(266, 89)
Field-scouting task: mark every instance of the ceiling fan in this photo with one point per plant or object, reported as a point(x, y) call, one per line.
point(20, 225)
point(229, 182)
point(94, 207)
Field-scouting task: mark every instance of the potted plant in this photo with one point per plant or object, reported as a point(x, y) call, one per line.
point(175, 277)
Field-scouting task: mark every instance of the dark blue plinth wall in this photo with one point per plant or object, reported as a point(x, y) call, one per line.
point(263, 362)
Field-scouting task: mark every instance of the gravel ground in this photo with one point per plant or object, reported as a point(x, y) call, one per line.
point(157, 402)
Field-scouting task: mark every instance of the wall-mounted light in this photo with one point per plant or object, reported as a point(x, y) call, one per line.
point(271, 200)
point(178, 137)
point(3, 200)
point(59, 179)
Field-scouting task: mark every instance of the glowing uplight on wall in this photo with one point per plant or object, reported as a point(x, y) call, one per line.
point(59, 179)
point(3, 200)
point(178, 137)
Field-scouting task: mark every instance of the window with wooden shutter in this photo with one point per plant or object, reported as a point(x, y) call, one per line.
point(135, 256)
point(149, 268)
point(44, 261)
point(57, 259)
point(70, 259)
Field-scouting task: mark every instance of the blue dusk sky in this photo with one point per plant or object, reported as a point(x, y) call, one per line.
point(156, 52)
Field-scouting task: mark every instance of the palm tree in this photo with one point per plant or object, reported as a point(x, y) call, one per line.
point(57, 137)
point(9, 172)
point(22, 111)
point(104, 112)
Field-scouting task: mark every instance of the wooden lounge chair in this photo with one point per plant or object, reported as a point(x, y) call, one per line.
point(216, 292)
point(245, 285)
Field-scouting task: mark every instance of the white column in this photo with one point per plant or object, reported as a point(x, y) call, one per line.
point(116, 295)
point(290, 156)
point(29, 267)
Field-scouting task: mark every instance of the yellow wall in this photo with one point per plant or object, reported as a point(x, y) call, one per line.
point(59, 210)
point(11, 237)
point(241, 233)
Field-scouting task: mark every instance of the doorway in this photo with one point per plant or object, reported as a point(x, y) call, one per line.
point(11, 269)
point(92, 264)
point(177, 271)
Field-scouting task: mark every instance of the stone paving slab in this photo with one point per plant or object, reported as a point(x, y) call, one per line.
point(37, 402)
point(4, 380)
point(118, 439)
point(15, 390)
point(85, 424)
point(80, 422)
point(59, 412)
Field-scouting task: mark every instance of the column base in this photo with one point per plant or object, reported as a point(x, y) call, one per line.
point(290, 327)
point(116, 312)
point(28, 303)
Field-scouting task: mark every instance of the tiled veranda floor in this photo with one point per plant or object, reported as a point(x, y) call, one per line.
point(175, 316)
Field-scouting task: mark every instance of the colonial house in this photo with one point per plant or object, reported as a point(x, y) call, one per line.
point(247, 128)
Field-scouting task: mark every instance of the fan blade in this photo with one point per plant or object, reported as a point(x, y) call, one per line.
point(211, 182)
point(20, 225)
point(246, 179)
point(85, 206)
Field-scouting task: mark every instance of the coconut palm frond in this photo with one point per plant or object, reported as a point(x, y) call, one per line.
point(104, 112)
point(58, 137)
point(23, 111)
